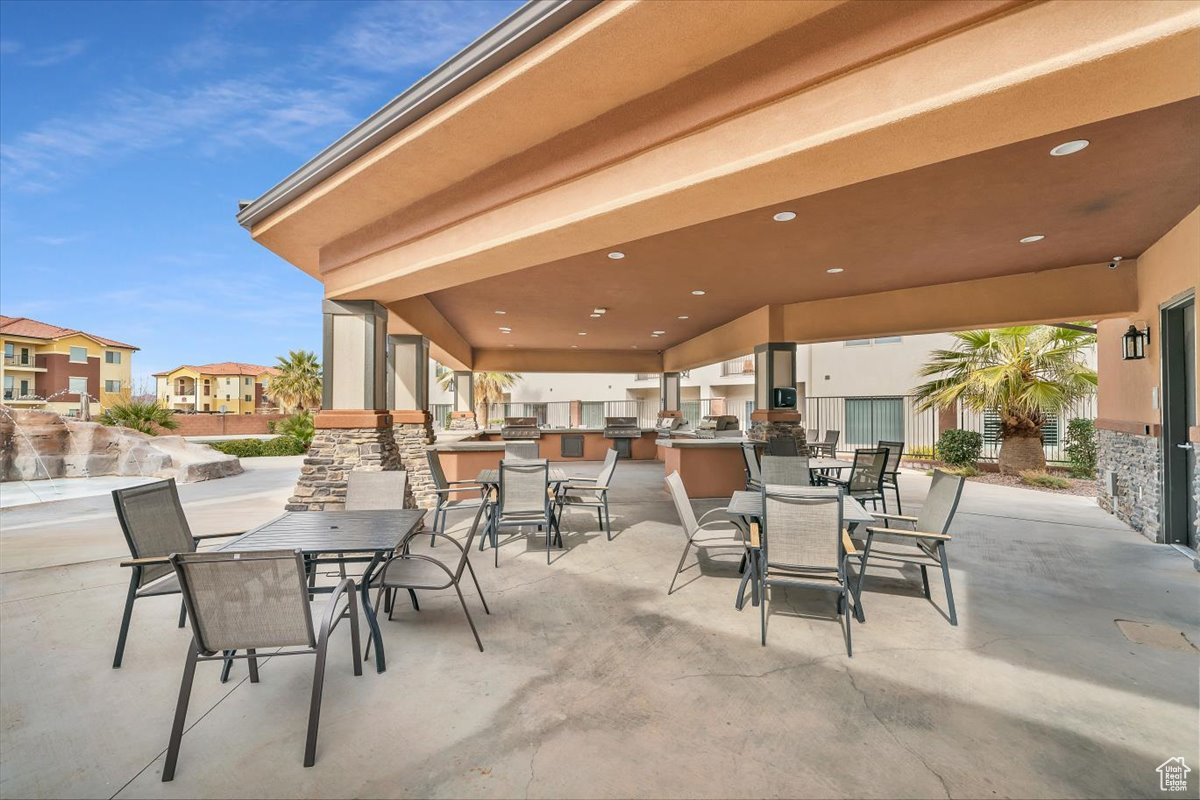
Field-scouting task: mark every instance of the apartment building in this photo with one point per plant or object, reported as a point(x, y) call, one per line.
point(228, 387)
point(51, 368)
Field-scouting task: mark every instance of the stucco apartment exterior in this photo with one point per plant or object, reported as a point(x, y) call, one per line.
point(51, 368)
point(227, 387)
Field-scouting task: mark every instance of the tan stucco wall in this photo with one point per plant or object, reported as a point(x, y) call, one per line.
point(1169, 268)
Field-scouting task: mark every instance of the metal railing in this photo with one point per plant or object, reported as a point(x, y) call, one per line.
point(19, 361)
point(738, 366)
point(645, 376)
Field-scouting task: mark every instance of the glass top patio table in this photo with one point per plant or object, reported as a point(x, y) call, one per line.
point(829, 463)
point(355, 536)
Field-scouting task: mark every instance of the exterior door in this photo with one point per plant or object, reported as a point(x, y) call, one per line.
point(1179, 420)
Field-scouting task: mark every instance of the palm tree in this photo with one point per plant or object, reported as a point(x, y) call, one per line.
point(296, 386)
point(1025, 374)
point(139, 415)
point(489, 389)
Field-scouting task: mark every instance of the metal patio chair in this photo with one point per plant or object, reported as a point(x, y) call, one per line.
point(803, 544)
point(925, 544)
point(891, 472)
point(785, 470)
point(811, 436)
point(521, 451)
point(591, 493)
point(523, 499)
point(155, 526)
point(249, 602)
point(753, 471)
point(866, 477)
point(702, 535)
point(828, 446)
point(782, 446)
point(412, 571)
point(450, 495)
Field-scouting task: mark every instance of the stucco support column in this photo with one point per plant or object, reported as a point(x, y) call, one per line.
point(775, 407)
point(354, 427)
point(462, 417)
point(412, 424)
point(669, 395)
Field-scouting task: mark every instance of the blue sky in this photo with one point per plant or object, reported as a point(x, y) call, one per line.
point(129, 131)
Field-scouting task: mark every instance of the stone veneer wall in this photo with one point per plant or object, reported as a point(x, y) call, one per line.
point(1138, 466)
point(334, 453)
point(412, 439)
point(462, 424)
point(762, 430)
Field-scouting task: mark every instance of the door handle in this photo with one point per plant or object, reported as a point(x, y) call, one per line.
point(1185, 446)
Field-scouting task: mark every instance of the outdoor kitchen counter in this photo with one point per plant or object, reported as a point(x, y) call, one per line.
point(462, 460)
point(708, 467)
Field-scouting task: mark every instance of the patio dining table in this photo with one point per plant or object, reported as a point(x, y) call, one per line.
point(365, 537)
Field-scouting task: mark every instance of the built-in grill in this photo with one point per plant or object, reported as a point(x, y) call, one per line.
point(716, 425)
point(520, 428)
point(669, 422)
point(622, 431)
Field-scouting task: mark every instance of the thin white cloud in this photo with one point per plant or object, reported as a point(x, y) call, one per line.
point(55, 54)
point(56, 241)
point(387, 37)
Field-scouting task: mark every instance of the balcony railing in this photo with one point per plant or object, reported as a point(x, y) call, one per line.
point(738, 366)
point(645, 376)
point(20, 361)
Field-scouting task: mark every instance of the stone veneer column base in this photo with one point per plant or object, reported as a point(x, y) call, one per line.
point(1137, 464)
point(413, 433)
point(333, 454)
point(762, 429)
point(463, 421)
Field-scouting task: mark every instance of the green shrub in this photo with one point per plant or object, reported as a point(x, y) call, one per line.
point(968, 471)
point(285, 446)
point(1081, 447)
point(298, 426)
point(959, 448)
point(1044, 479)
point(920, 453)
point(146, 416)
point(254, 448)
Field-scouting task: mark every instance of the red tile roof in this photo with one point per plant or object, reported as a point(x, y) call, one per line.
point(33, 329)
point(226, 368)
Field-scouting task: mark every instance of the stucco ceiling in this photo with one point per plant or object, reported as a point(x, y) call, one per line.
point(956, 220)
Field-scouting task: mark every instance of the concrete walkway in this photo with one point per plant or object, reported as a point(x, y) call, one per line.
point(595, 683)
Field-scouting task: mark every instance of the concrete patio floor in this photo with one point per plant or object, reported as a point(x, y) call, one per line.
point(595, 683)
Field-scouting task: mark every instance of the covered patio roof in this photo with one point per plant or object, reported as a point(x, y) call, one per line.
point(912, 142)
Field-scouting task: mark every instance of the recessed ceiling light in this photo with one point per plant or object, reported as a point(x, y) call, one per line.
point(697, 292)
point(1037, 237)
point(512, 345)
point(784, 216)
point(498, 311)
point(658, 333)
point(583, 333)
point(634, 346)
point(616, 255)
point(1067, 148)
point(505, 328)
point(599, 310)
point(685, 316)
point(574, 347)
point(595, 316)
point(834, 270)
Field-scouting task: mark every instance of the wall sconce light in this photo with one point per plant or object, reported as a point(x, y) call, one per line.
point(1134, 343)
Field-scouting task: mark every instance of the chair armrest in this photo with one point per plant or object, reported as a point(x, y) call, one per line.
point(848, 543)
point(755, 541)
point(722, 509)
point(383, 573)
point(200, 536)
point(572, 483)
point(885, 516)
point(331, 617)
point(942, 537)
point(148, 560)
point(472, 488)
point(470, 481)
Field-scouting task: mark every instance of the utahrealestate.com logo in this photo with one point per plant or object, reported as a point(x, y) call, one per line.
point(1173, 775)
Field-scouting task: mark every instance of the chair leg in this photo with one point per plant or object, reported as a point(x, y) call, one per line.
point(849, 618)
point(477, 587)
point(253, 662)
point(762, 609)
point(181, 707)
point(470, 621)
point(925, 581)
point(607, 518)
point(182, 613)
point(355, 642)
point(679, 568)
point(126, 616)
point(227, 666)
point(896, 489)
point(314, 709)
point(946, 580)
point(412, 596)
point(432, 535)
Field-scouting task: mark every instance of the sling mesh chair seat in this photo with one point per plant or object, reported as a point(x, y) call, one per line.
point(782, 446)
point(155, 526)
point(826, 447)
point(375, 491)
point(701, 535)
point(407, 570)
point(891, 472)
point(521, 451)
point(591, 493)
point(866, 477)
point(785, 470)
point(803, 544)
point(753, 470)
point(523, 499)
point(451, 495)
point(923, 545)
point(249, 602)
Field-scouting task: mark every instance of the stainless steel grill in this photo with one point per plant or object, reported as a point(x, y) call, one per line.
point(668, 423)
point(621, 428)
point(520, 428)
point(715, 425)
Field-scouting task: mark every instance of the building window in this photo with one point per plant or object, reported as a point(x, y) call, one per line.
point(857, 342)
point(78, 355)
point(227, 397)
point(249, 398)
point(112, 357)
point(112, 386)
point(871, 419)
point(247, 381)
point(9, 387)
point(77, 385)
point(887, 340)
